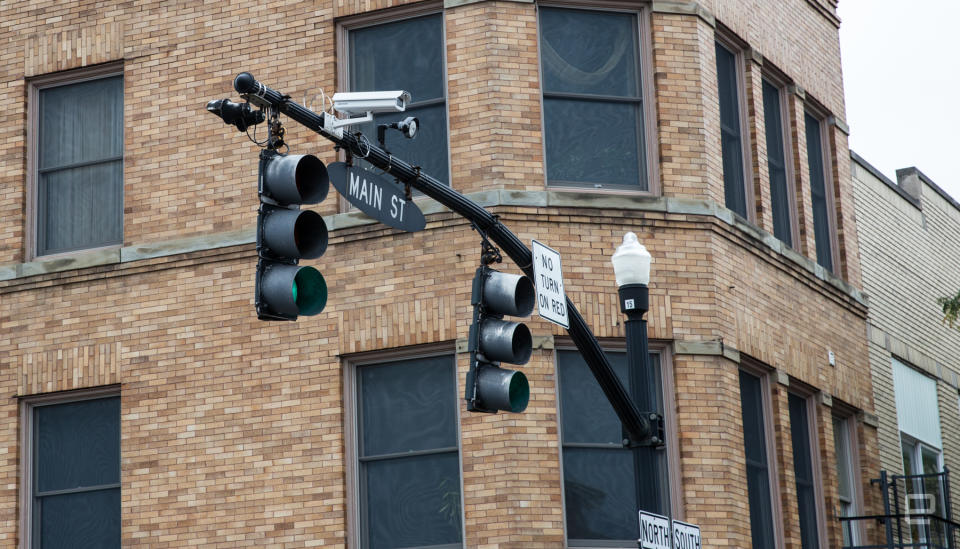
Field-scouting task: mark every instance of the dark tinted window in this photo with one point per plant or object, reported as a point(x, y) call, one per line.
point(604, 483)
point(730, 141)
point(803, 471)
point(406, 55)
point(76, 468)
point(818, 193)
point(409, 462)
point(592, 103)
point(758, 469)
point(777, 164)
point(80, 166)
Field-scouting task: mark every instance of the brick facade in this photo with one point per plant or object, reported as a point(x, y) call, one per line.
point(234, 430)
point(909, 251)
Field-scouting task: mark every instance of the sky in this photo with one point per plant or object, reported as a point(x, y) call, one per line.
point(901, 75)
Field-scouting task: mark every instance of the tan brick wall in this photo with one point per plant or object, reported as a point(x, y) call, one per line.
point(494, 97)
point(233, 430)
point(795, 37)
point(828, 457)
point(687, 111)
point(763, 214)
point(783, 450)
point(712, 461)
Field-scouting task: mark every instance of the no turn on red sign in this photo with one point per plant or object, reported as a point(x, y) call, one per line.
point(548, 280)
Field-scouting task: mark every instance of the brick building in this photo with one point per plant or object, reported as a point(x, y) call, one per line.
point(909, 252)
point(149, 404)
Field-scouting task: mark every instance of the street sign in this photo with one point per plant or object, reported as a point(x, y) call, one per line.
point(686, 536)
point(548, 279)
point(654, 531)
point(377, 196)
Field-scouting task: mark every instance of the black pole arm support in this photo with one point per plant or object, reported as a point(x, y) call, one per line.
point(579, 331)
point(255, 92)
point(655, 426)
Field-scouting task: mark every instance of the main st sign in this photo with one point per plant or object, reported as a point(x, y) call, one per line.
point(376, 196)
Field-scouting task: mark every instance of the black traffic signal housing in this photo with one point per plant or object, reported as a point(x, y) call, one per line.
point(286, 234)
point(494, 340)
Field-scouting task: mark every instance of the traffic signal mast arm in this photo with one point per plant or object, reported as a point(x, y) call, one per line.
point(637, 426)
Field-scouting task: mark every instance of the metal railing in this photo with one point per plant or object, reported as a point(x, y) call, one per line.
point(917, 513)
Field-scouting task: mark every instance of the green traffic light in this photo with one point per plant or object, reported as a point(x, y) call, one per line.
point(519, 392)
point(309, 291)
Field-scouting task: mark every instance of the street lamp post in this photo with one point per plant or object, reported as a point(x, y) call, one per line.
point(631, 265)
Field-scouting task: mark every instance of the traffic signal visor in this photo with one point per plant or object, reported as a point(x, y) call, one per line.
point(286, 234)
point(495, 340)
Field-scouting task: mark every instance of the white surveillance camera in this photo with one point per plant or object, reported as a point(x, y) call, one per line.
point(352, 103)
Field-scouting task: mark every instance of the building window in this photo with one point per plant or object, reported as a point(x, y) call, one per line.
point(406, 55)
point(759, 487)
point(924, 488)
point(593, 109)
point(74, 473)
point(914, 393)
point(781, 203)
point(78, 162)
point(846, 478)
point(820, 189)
point(731, 136)
point(604, 483)
point(918, 417)
point(804, 469)
point(408, 471)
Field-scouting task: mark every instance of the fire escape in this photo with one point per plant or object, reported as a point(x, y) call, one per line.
point(916, 513)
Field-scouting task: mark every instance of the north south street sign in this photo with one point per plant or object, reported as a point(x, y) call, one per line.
point(660, 532)
point(377, 196)
point(654, 531)
point(686, 536)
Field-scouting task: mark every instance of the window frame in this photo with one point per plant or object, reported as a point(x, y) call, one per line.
point(780, 82)
point(27, 405)
point(645, 87)
point(898, 363)
point(770, 441)
point(813, 433)
point(351, 428)
point(345, 25)
point(672, 451)
point(725, 38)
point(846, 417)
point(34, 86)
point(918, 446)
point(812, 109)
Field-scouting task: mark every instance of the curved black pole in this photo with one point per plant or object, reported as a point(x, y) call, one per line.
point(637, 427)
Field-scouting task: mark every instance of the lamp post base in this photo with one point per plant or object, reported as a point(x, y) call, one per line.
point(634, 303)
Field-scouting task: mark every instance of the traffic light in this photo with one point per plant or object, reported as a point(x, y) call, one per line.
point(494, 340)
point(286, 234)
